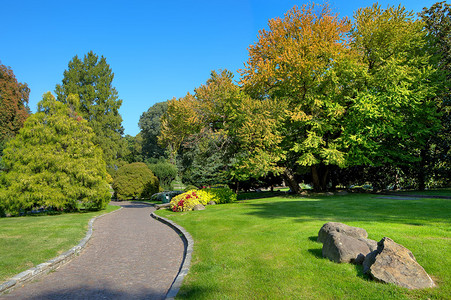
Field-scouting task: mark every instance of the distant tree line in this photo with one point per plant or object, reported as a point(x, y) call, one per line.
point(322, 101)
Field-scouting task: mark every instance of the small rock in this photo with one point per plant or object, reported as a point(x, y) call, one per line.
point(211, 203)
point(393, 263)
point(160, 206)
point(342, 228)
point(199, 207)
point(342, 248)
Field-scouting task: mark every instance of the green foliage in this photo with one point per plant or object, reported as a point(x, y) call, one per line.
point(436, 162)
point(135, 181)
point(53, 162)
point(150, 123)
point(13, 105)
point(165, 171)
point(189, 188)
point(134, 148)
point(91, 79)
point(222, 194)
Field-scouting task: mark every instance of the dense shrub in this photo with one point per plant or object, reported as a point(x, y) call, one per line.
point(186, 201)
point(222, 194)
point(135, 181)
point(53, 163)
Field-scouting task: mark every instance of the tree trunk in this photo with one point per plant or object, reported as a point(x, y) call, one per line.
point(421, 170)
point(291, 181)
point(320, 175)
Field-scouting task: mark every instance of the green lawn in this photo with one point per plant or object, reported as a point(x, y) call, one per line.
point(28, 241)
point(267, 249)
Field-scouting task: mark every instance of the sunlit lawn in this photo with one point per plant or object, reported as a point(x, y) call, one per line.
point(28, 241)
point(267, 249)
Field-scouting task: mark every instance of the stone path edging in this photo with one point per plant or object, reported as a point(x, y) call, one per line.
point(189, 243)
point(51, 264)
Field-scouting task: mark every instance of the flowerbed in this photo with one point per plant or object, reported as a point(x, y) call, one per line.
point(187, 201)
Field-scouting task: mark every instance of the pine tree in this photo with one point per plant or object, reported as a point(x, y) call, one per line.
point(91, 79)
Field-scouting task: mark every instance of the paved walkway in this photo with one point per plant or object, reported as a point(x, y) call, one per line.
point(130, 256)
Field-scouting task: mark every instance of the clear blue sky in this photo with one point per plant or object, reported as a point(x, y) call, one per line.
point(157, 49)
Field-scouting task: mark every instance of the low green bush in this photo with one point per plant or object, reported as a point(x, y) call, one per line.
point(222, 194)
point(135, 181)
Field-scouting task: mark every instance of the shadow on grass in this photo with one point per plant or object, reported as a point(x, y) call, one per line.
point(318, 253)
point(314, 239)
point(354, 208)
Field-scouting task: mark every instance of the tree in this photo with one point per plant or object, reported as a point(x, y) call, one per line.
point(53, 163)
point(437, 21)
point(91, 79)
point(222, 134)
point(13, 105)
point(135, 181)
point(150, 124)
point(134, 148)
point(179, 122)
point(165, 172)
point(395, 114)
point(305, 60)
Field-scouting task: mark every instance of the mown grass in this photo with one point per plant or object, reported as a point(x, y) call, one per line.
point(28, 241)
point(267, 249)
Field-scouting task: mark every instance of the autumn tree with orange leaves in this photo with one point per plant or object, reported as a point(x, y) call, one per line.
point(305, 59)
point(13, 104)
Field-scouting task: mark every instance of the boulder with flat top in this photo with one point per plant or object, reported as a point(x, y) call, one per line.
point(393, 263)
point(330, 227)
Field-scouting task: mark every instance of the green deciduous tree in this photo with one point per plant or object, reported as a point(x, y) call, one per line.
point(91, 79)
point(437, 157)
point(165, 172)
point(395, 114)
point(53, 162)
point(13, 105)
point(135, 181)
point(134, 151)
point(150, 123)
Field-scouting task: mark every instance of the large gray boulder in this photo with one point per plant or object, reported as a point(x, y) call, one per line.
point(393, 263)
point(342, 248)
point(341, 228)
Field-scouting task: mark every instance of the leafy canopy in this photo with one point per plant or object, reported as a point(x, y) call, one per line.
point(13, 104)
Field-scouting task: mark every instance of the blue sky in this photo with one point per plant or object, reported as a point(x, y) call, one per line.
point(157, 49)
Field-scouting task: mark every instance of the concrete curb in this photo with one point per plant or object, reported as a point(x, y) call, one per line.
point(52, 264)
point(189, 243)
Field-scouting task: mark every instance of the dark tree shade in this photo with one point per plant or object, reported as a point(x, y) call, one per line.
point(13, 104)
point(91, 79)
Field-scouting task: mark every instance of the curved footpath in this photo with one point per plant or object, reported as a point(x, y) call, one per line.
point(130, 256)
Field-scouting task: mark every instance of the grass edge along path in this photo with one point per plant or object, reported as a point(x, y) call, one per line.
point(267, 249)
point(26, 242)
